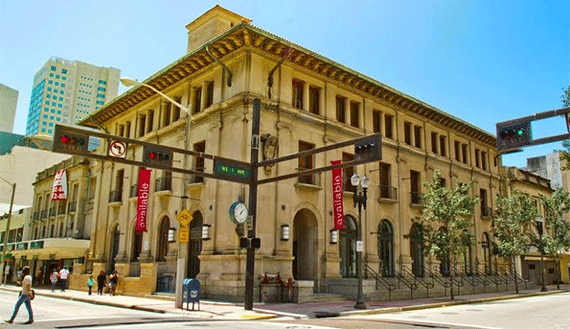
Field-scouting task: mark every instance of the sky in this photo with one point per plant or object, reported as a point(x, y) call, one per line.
point(481, 61)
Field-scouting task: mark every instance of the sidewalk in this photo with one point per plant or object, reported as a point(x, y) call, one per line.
point(233, 311)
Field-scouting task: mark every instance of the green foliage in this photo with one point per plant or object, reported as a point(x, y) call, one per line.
point(557, 228)
point(513, 224)
point(565, 154)
point(446, 219)
point(565, 98)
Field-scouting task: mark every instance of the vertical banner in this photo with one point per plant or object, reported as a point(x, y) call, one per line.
point(59, 190)
point(338, 210)
point(142, 200)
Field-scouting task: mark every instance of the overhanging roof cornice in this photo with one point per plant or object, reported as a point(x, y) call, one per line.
point(246, 35)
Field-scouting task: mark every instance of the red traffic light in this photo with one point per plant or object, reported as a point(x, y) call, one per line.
point(152, 155)
point(64, 139)
point(158, 156)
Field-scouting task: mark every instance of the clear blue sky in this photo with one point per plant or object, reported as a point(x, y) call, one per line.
point(482, 61)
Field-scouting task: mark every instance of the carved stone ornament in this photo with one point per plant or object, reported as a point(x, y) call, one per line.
point(270, 149)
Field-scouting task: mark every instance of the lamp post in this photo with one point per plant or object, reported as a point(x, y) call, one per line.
point(540, 229)
point(360, 198)
point(6, 233)
point(180, 266)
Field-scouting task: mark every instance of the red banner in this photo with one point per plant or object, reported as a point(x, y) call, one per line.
point(142, 201)
point(59, 189)
point(338, 210)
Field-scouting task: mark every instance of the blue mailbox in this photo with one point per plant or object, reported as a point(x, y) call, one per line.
point(191, 293)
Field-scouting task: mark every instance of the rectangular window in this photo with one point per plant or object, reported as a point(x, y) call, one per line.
point(418, 136)
point(142, 120)
point(166, 109)
point(477, 162)
point(314, 100)
point(120, 130)
point(119, 181)
point(443, 146)
point(388, 119)
point(176, 109)
point(354, 114)
point(209, 94)
point(434, 142)
point(64, 71)
point(484, 160)
point(197, 100)
point(150, 121)
point(376, 118)
point(347, 172)
point(127, 129)
point(306, 162)
point(457, 146)
point(198, 161)
point(408, 133)
point(298, 87)
point(386, 190)
point(465, 154)
point(340, 109)
point(415, 187)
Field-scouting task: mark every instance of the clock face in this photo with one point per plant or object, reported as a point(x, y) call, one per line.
point(240, 213)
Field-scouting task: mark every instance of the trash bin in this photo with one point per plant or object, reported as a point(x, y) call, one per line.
point(191, 293)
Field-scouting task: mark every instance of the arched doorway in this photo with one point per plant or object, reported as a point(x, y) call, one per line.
point(162, 245)
point(444, 265)
point(115, 240)
point(487, 244)
point(195, 245)
point(386, 248)
point(417, 250)
point(347, 246)
point(305, 245)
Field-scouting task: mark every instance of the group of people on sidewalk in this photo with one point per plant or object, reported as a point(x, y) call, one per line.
point(61, 276)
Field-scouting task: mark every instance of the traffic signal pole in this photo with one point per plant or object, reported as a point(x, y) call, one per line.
point(250, 261)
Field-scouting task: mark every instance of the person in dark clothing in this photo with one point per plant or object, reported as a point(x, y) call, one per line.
point(114, 281)
point(101, 278)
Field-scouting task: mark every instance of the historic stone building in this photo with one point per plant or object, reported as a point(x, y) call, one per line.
point(308, 101)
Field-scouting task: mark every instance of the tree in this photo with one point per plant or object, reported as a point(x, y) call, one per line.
point(557, 233)
point(565, 154)
point(513, 222)
point(452, 210)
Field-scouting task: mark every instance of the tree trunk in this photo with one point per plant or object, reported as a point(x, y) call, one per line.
point(515, 274)
point(451, 274)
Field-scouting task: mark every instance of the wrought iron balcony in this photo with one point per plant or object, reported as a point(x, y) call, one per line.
point(388, 192)
point(116, 196)
point(312, 179)
point(416, 198)
point(163, 184)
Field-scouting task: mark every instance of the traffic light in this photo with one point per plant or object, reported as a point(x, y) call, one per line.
point(68, 142)
point(250, 243)
point(369, 148)
point(157, 156)
point(514, 135)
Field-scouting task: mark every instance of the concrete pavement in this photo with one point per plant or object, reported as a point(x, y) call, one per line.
point(233, 311)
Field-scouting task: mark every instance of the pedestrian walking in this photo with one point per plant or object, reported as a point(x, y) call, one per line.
point(101, 279)
point(53, 278)
point(25, 296)
point(63, 273)
point(113, 282)
point(90, 282)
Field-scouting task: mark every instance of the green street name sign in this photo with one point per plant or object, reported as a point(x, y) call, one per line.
point(232, 170)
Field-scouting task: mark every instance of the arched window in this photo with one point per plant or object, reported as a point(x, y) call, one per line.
point(417, 250)
point(347, 245)
point(162, 246)
point(386, 248)
point(137, 245)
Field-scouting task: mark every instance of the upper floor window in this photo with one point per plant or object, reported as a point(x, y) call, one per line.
point(464, 151)
point(298, 87)
point(209, 94)
point(127, 129)
point(477, 161)
point(142, 121)
point(347, 172)
point(197, 100)
point(434, 142)
point(354, 114)
point(341, 109)
point(408, 133)
point(150, 121)
point(443, 145)
point(457, 146)
point(484, 160)
point(388, 120)
point(418, 136)
point(314, 99)
point(199, 162)
point(376, 121)
point(306, 162)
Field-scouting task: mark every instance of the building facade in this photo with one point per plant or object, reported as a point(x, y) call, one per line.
point(8, 103)
point(547, 166)
point(66, 91)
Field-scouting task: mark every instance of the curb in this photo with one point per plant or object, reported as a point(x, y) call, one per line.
point(450, 303)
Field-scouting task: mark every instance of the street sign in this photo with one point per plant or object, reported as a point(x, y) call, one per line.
point(232, 170)
point(184, 217)
point(117, 149)
point(184, 235)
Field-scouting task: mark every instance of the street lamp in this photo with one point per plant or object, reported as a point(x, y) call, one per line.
point(540, 229)
point(360, 198)
point(180, 266)
point(6, 233)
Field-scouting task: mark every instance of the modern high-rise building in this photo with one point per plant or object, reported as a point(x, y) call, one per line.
point(66, 91)
point(8, 102)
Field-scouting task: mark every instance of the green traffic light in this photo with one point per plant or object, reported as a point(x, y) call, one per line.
point(520, 132)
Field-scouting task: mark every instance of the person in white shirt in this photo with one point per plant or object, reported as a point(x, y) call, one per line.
point(63, 278)
point(24, 297)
